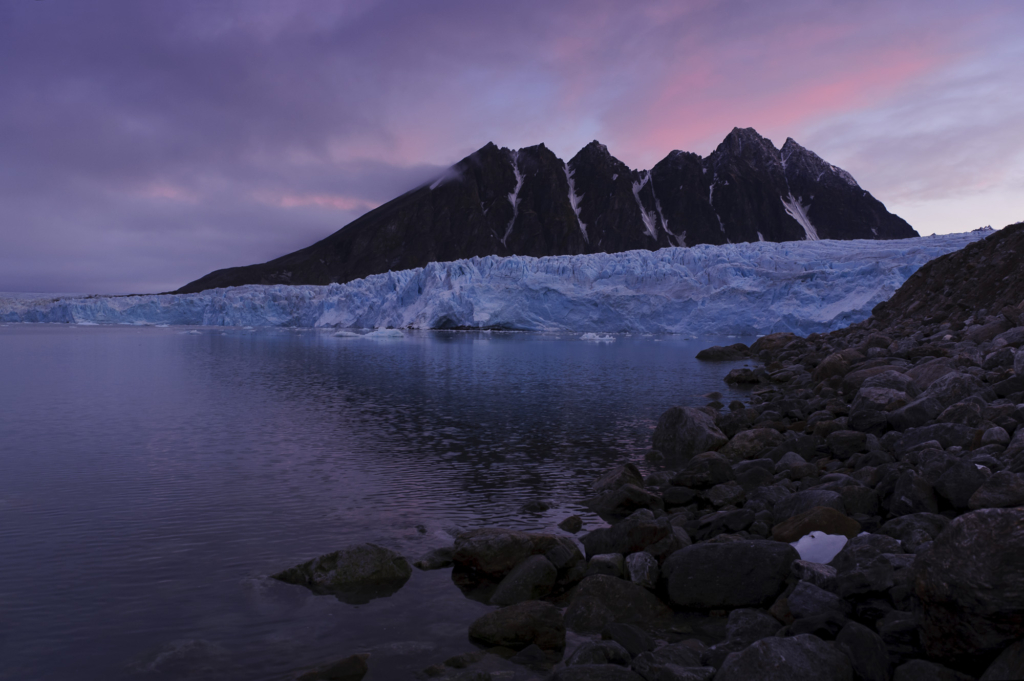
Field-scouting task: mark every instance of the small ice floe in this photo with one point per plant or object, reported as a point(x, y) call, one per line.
point(192, 332)
point(382, 334)
point(162, 326)
point(818, 547)
point(346, 334)
point(86, 324)
point(605, 338)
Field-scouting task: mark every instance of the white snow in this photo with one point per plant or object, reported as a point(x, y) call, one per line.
point(650, 224)
point(760, 237)
point(798, 211)
point(574, 200)
point(513, 198)
point(818, 547)
point(738, 289)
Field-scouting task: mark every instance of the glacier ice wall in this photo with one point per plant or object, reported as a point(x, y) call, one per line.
point(749, 288)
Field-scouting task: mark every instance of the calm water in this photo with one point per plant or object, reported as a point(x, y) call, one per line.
point(151, 479)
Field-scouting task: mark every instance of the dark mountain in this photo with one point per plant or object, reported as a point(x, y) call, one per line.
point(529, 202)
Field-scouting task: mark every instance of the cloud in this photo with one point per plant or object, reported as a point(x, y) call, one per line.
point(143, 144)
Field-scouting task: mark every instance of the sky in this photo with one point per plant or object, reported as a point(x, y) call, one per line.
point(146, 143)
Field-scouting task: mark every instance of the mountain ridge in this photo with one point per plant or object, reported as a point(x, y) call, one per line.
point(500, 201)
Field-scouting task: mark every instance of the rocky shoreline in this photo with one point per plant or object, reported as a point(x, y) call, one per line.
point(859, 516)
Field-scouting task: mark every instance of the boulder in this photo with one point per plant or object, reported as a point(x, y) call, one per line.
point(915, 529)
point(946, 434)
point(749, 443)
point(923, 375)
point(684, 432)
point(808, 600)
point(623, 501)
point(572, 524)
point(352, 668)
point(878, 399)
point(611, 564)
point(1009, 666)
point(1003, 490)
point(959, 482)
point(531, 580)
point(970, 584)
point(617, 477)
point(891, 379)
point(674, 497)
point(861, 569)
point(913, 494)
point(866, 651)
point(517, 626)
point(724, 522)
point(631, 637)
point(595, 672)
point(728, 353)
point(436, 559)
point(746, 625)
point(705, 471)
point(916, 414)
point(600, 599)
point(642, 569)
point(801, 502)
point(630, 535)
point(859, 499)
point(728, 575)
point(493, 552)
point(833, 365)
point(821, 519)
point(1018, 364)
point(600, 652)
point(356, 574)
point(822, 576)
point(953, 387)
point(728, 493)
point(846, 443)
point(787, 659)
point(923, 670)
point(967, 413)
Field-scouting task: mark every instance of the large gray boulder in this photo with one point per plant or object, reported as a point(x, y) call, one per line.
point(520, 625)
point(923, 375)
point(866, 651)
point(1002, 490)
point(953, 387)
point(683, 432)
point(493, 552)
point(530, 580)
point(970, 584)
point(729, 575)
point(959, 482)
point(356, 574)
point(600, 599)
point(704, 471)
point(618, 476)
point(861, 569)
point(797, 658)
point(633, 534)
point(801, 502)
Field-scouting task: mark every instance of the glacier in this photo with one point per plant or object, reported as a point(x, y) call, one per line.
point(735, 289)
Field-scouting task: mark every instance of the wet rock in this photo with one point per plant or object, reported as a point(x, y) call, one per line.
point(731, 575)
point(922, 670)
point(808, 600)
point(820, 519)
point(536, 506)
point(846, 443)
point(915, 414)
point(747, 444)
point(726, 494)
point(1003, 490)
point(631, 637)
point(356, 574)
point(728, 353)
point(493, 552)
point(959, 482)
point(787, 659)
point(684, 432)
point(436, 559)
point(861, 569)
point(723, 522)
point(642, 569)
point(971, 585)
point(705, 471)
point(595, 672)
point(520, 625)
point(600, 652)
point(626, 474)
point(866, 650)
point(529, 581)
point(913, 494)
point(571, 524)
point(611, 564)
point(600, 599)
point(822, 576)
point(352, 668)
point(801, 502)
point(1008, 666)
point(633, 534)
point(623, 501)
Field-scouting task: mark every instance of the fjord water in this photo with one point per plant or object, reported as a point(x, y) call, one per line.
point(152, 478)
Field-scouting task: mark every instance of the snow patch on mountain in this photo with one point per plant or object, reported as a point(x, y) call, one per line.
point(748, 288)
point(574, 200)
point(798, 211)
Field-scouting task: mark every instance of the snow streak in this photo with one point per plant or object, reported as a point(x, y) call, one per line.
point(798, 211)
point(574, 200)
point(513, 198)
point(650, 222)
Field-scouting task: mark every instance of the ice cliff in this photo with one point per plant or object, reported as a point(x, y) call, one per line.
point(748, 288)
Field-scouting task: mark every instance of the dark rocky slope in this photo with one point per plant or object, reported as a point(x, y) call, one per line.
point(529, 202)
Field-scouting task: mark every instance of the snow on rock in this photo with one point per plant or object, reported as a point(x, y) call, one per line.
point(574, 200)
point(513, 198)
point(748, 288)
point(798, 211)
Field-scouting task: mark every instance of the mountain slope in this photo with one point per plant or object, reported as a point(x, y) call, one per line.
point(529, 202)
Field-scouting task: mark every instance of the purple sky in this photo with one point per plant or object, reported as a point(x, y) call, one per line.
point(144, 143)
